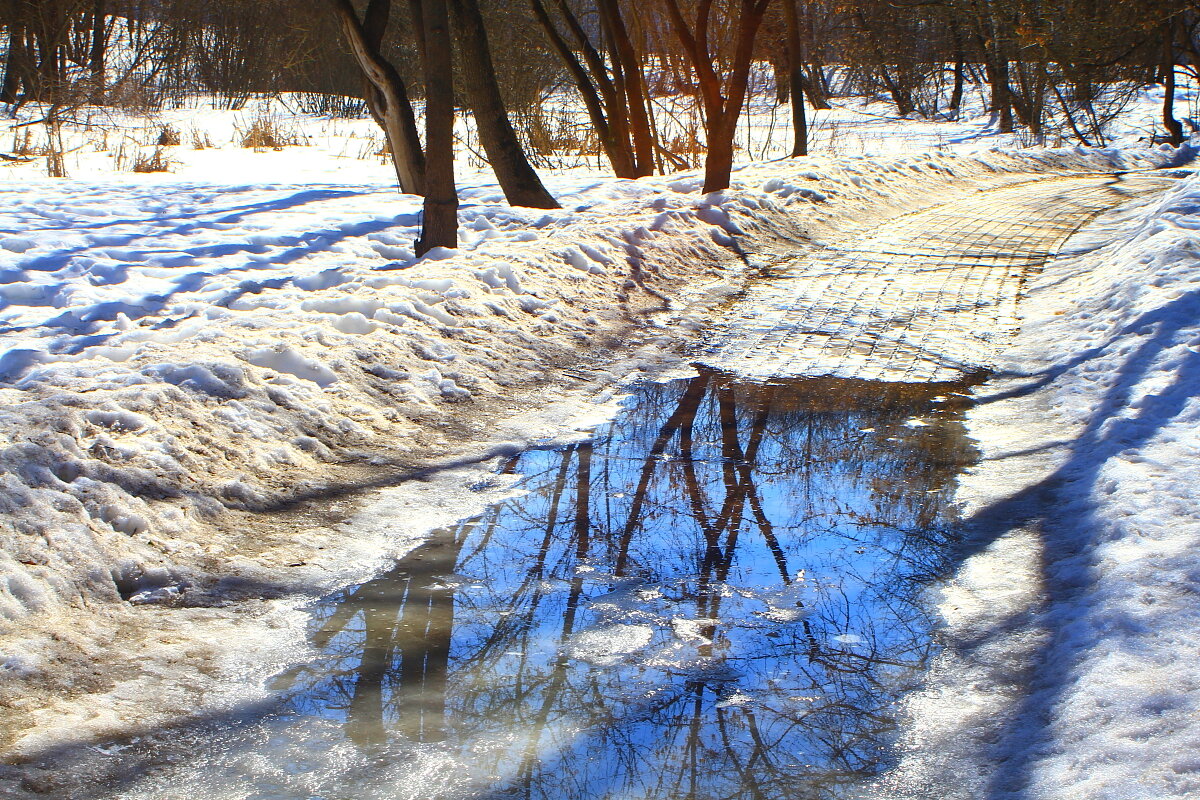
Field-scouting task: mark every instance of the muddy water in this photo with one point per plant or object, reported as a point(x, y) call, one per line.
point(716, 597)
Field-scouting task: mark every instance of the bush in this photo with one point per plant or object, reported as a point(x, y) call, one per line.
point(168, 136)
point(268, 133)
point(154, 161)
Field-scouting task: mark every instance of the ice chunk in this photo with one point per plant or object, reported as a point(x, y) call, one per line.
point(287, 360)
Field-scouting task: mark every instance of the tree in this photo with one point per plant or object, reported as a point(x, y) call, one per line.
point(387, 96)
point(614, 93)
point(1173, 126)
point(521, 184)
point(722, 95)
point(439, 226)
point(795, 61)
point(431, 171)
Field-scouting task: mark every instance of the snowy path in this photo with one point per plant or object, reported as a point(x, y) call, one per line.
point(925, 297)
point(1072, 624)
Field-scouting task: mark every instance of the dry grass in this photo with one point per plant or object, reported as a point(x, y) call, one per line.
point(130, 157)
point(375, 147)
point(555, 139)
point(168, 136)
point(26, 146)
point(200, 139)
point(153, 161)
point(269, 133)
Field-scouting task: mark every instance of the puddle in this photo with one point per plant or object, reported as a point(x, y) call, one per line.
point(717, 597)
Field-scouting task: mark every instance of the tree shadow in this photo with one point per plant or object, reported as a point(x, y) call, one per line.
point(73, 331)
point(1106, 434)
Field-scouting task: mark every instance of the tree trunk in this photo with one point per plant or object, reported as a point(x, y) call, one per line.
point(598, 99)
point(96, 51)
point(900, 94)
point(14, 64)
point(956, 95)
point(722, 104)
point(1173, 126)
point(814, 86)
point(718, 161)
point(1000, 102)
point(990, 33)
point(633, 92)
point(521, 184)
point(1002, 95)
point(439, 226)
point(387, 98)
point(781, 70)
point(796, 80)
point(1022, 96)
point(611, 89)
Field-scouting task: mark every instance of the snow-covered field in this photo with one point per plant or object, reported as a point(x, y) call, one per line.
point(195, 366)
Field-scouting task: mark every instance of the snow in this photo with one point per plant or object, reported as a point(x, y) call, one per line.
point(182, 351)
point(236, 339)
point(1072, 628)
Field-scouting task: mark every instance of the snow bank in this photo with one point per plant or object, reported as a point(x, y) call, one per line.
point(1073, 625)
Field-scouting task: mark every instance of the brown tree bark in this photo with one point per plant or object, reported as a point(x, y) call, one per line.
point(814, 85)
point(796, 79)
point(521, 184)
point(901, 96)
point(439, 227)
point(620, 156)
point(1001, 93)
point(1173, 126)
point(722, 98)
point(387, 96)
point(956, 94)
point(989, 35)
point(607, 107)
point(15, 64)
point(632, 93)
point(47, 25)
point(98, 47)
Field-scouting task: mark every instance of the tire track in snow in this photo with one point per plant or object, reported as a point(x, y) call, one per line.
point(927, 296)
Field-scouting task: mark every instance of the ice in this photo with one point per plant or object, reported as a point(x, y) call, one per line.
point(609, 644)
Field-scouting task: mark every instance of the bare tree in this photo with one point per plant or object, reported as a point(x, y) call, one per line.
point(440, 224)
point(722, 90)
point(387, 96)
point(1173, 126)
point(613, 91)
point(796, 93)
point(521, 184)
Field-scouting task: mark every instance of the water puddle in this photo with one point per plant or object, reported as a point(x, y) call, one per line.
point(716, 597)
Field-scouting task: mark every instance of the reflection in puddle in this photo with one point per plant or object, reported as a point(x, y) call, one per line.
point(715, 598)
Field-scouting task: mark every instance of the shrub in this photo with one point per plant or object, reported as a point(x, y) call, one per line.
point(267, 133)
point(168, 136)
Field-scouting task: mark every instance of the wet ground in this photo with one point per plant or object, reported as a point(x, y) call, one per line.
point(718, 596)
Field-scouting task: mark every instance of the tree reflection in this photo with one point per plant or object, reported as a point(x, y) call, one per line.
point(715, 598)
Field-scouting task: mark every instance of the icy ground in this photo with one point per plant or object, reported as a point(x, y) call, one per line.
point(179, 355)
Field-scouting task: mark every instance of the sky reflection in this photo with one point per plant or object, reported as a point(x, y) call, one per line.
point(714, 598)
